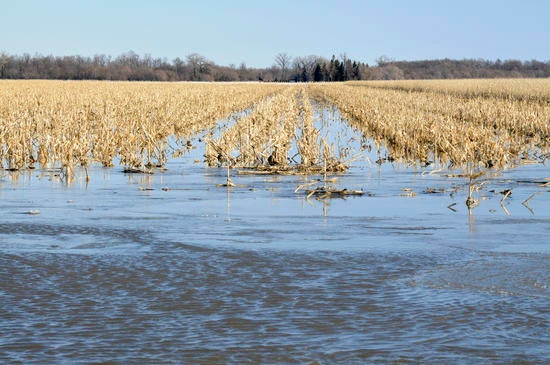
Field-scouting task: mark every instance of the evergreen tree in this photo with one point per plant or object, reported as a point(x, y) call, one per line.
point(332, 68)
point(340, 71)
point(325, 71)
point(304, 76)
point(356, 72)
point(318, 73)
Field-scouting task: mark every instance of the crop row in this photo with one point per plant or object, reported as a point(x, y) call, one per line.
point(64, 125)
point(451, 128)
point(68, 124)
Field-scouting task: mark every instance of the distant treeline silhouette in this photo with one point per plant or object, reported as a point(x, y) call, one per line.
point(133, 67)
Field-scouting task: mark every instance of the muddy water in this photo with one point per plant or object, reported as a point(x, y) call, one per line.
point(171, 268)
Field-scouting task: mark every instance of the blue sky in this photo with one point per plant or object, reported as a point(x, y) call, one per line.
point(235, 31)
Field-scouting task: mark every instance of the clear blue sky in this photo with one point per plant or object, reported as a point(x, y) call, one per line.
point(233, 31)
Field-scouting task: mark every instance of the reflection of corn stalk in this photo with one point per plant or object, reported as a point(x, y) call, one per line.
point(525, 203)
point(472, 186)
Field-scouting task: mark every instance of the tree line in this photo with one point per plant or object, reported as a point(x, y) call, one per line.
point(133, 67)
point(463, 69)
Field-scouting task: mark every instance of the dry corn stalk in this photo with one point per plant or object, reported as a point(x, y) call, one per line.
point(418, 124)
point(69, 124)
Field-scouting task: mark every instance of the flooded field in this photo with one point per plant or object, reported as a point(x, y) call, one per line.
point(175, 267)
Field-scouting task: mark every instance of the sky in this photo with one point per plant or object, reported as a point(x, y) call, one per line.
point(254, 32)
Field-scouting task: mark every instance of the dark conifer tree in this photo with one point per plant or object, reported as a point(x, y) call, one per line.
point(318, 73)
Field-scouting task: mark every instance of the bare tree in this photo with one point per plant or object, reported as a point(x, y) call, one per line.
point(383, 60)
point(304, 67)
point(199, 65)
point(178, 68)
point(391, 72)
point(282, 61)
point(3, 64)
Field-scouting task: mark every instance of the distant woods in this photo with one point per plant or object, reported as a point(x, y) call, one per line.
point(133, 67)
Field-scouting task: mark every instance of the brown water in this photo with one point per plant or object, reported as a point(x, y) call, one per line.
point(120, 270)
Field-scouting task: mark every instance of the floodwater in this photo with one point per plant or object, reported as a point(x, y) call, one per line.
point(173, 268)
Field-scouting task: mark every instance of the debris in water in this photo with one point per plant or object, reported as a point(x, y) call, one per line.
point(132, 170)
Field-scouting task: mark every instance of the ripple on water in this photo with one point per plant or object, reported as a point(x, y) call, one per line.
point(233, 306)
point(505, 274)
point(75, 238)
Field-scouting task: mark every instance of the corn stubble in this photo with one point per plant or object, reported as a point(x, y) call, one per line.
point(458, 129)
point(277, 136)
point(64, 125)
point(473, 125)
point(466, 124)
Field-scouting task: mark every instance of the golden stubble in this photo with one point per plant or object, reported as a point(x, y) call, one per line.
point(67, 124)
point(480, 123)
point(470, 124)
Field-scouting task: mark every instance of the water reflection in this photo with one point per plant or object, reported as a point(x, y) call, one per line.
point(472, 228)
point(228, 216)
point(324, 203)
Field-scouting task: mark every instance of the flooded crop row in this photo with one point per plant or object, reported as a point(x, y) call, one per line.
point(238, 264)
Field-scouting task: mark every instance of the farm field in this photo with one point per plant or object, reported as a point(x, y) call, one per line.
point(480, 123)
point(229, 222)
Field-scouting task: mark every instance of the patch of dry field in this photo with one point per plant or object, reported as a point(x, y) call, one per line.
point(521, 89)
